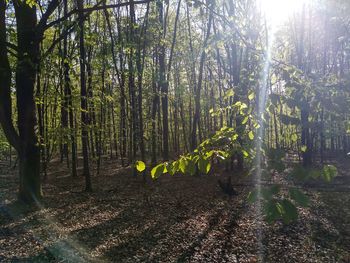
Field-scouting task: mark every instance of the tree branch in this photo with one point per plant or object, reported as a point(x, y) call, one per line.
point(12, 46)
point(97, 7)
point(41, 27)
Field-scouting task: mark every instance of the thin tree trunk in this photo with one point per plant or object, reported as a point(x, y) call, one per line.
point(84, 104)
point(163, 84)
point(196, 118)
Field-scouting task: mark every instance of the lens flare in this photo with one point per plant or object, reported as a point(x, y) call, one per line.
point(278, 11)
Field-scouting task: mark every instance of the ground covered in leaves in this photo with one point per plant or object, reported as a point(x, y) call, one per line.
point(173, 219)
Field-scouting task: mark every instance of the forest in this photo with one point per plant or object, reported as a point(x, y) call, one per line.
point(175, 131)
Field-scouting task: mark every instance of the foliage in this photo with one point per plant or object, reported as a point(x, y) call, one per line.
point(140, 166)
point(275, 159)
point(275, 203)
point(301, 174)
point(223, 145)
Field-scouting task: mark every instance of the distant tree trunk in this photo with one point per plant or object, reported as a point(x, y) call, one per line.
point(91, 104)
point(192, 76)
point(170, 64)
point(132, 89)
point(100, 144)
point(305, 137)
point(176, 112)
point(83, 94)
point(155, 106)
point(40, 110)
point(163, 84)
point(304, 111)
point(140, 61)
point(121, 80)
point(184, 130)
point(68, 97)
point(115, 143)
point(64, 121)
point(196, 118)
point(5, 87)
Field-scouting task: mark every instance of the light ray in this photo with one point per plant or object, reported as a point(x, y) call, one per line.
point(260, 135)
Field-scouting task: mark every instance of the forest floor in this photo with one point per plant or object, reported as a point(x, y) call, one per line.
point(173, 219)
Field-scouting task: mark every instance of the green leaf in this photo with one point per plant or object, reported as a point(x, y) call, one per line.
point(272, 211)
point(170, 168)
point(222, 155)
point(237, 104)
point(251, 135)
point(158, 170)
point(243, 106)
point(251, 95)
point(303, 148)
point(229, 93)
point(173, 168)
point(300, 173)
point(314, 173)
point(190, 167)
point(245, 120)
point(209, 154)
point(294, 137)
point(245, 153)
point(252, 196)
point(268, 193)
point(275, 189)
point(182, 165)
point(204, 165)
point(140, 166)
point(234, 137)
point(290, 212)
point(299, 197)
point(31, 3)
point(329, 172)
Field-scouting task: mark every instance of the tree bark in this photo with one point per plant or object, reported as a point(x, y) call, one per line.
point(84, 104)
point(68, 98)
point(5, 87)
point(196, 118)
point(163, 84)
point(29, 151)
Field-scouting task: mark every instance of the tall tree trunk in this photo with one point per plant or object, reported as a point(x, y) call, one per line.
point(155, 106)
point(84, 104)
point(132, 90)
point(140, 61)
point(305, 110)
point(28, 54)
point(163, 84)
point(196, 118)
point(5, 87)
point(121, 80)
point(68, 97)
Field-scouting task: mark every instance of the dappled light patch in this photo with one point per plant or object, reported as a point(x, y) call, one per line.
point(158, 222)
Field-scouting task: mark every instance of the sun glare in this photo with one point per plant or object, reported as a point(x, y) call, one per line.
point(278, 11)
